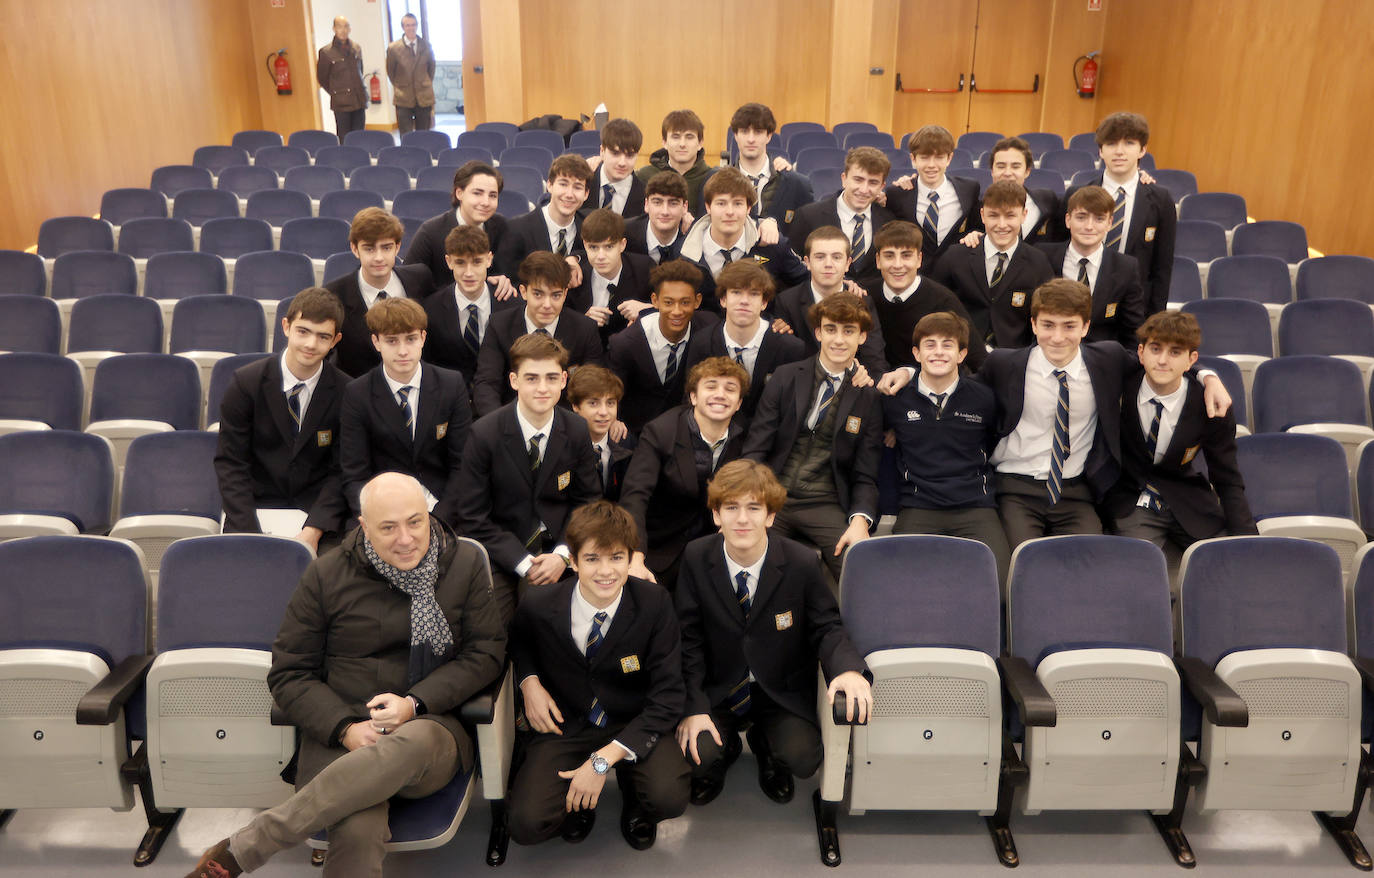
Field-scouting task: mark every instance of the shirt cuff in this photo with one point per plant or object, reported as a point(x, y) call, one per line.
point(909, 370)
point(524, 566)
point(562, 551)
point(865, 516)
point(629, 754)
point(1203, 373)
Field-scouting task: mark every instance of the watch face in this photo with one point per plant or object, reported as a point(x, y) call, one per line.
point(600, 765)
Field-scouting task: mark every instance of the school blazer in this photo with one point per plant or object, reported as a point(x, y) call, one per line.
point(1004, 311)
point(524, 235)
point(637, 236)
point(793, 304)
point(1117, 291)
point(634, 201)
point(1108, 365)
point(444, 345)
point(646, 396)
point(777, 259)
point(354, 355)
point(776, 350)
point(491, 385)
point(262, 462)
point(661, 488)
point(500, 503)
point(864, 266)
point(1149, 239)
point(783, 195)
point(427, 247)
point(1051, 214)
point(902, 202)
point(854, 456)
point(375, 438)
point(793, 624)
point(636, 675)
point(621, 452)
point(633, 284)
point(1206, 503)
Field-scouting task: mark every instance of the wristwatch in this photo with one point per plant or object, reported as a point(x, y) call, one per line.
point(599, 764)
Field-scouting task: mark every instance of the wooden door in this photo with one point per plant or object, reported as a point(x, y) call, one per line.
point(1008, 61)
point(934, 53)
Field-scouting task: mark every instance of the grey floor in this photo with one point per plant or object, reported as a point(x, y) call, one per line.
point(741, 833)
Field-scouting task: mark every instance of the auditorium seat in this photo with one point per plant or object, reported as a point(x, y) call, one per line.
point(842, 130)
point(511, 204)
point(804, 140)
point(1337, 277)
point(372, 141)
point(529, 182)
point(177, 275)
point(382, 180)
point(232, 237)
point(901, 162)
point(54, 482)
point(270, 275)
point(30, 324)
point(210, 328)
point(422, 203)
point(1313, 394)
point(1185, 283)
point(1200, 240)
point(281, 158)
point(1277, 238)
point(254, 139)
point(90, 273)
point(134, 394)
point(432, 140)
point(411, 159)
point(1067, 162)
point(440, 178)
point(461, 155)
point(65, 234)
point(316, 237)
point(22, 274)
point(118, 206)
point(924, 612)
point(39, 391)
point(1226, 209)
point(1234, 382)
point(410, 225)
point(1263, 279)
point(279, 312)
point(107, 326)
point(825, 181)
point(982, 176)
point(548, 139)
point(527, 156)
point(1280, 729)
point(493, 142)
point(314, 181)
point(344, 158)
point(1180, 183)
point(978, 142)
point(788, 129)
point(216, 158)
point(588, 137)
point(141, 238)
point(1086, 142)
point(340, 264)
point(345, 203)
point(1332, 327)
point(1364, 489)
point(1043, 179)
point(198, 206)
point(312, 140)
point(1085, 178)
point(1298, 485)
point(960, 158)
point(278, 206)
point(171, 179)
point(815, 157)
point(1041, 142)
point(1236, 329)
point(244, 180)
point(507, 130)
point(875, 139)
point(1147, 161)
point(220, 375)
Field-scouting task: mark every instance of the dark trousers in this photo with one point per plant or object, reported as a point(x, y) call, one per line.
point(349, 120)
point(818, 522)
point(538, 796)
point(414, 118)
point(794, 741)
point(979, 523)
point(1024, 505)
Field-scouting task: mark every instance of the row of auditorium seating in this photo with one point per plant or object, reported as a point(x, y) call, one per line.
point(304, 195)
point(1259, 707)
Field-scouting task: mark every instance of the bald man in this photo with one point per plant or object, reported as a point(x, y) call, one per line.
point(340, 72)
point(408, 606)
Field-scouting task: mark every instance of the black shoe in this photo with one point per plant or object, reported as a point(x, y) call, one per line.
point(774, 778)
point(640, 833)
point(706, 787)
point(578, 825)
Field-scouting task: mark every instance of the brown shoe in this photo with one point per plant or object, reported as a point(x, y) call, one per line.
point(217, 862)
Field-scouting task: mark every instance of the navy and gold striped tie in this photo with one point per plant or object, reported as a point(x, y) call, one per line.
point(471, 336)
point(931, 226)
point(1059, 452)
point(737, 700)
point(293, 403)
point(596, 714)
point(1153, 501)
point(404, 398)
point(1118, 220)
point(999, 270)
point(670, 369)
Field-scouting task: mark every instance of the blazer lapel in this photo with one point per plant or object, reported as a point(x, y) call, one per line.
point(723, 586)
point(769, 578)
point(553, 453)
point(684, 454)
point(624, 621)
point(802, 396)
point(426, 419)
point(388, 408)
point(514, 443)
point(325, 388)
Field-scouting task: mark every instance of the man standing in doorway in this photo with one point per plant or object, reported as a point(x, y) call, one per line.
point(340, 72)
point(410, 67)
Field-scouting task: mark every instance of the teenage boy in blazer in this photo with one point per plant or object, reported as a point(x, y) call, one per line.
point(1113, 277)
point(652, 356)
point(994, 280)
point(526, 466)
point(460, 312)
point(557, 225)
point(375, 238)
point(599, 664)
point(658, 234)
point(757, 618)
point(615, 284)
point(615, 185)
point(678, 452)
point(476, 192)
point(595, 393)
point(865, 174)
point(264, 459)
point(951, 213)
point(1164, 494)
point(822, 436)
point(780, 190)
point(405, 416)
point(544, 279)
point(1013, 160)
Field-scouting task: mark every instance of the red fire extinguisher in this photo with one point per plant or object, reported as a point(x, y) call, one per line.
point(1086, 78)
point(280, 71)
point(375, 87)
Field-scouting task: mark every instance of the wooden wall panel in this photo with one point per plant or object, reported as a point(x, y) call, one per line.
point(284, 27)
point(1009, 53)
point(474, 83)
point(110, 91)
point(934, 46)
point(1074, 31)
point(505, 60)
point(1261, 99)
point(862, 37)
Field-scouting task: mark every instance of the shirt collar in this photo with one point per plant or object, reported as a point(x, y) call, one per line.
point(528, 430)
point(1172, 402)
point(1094, 257)
point(901, 295)
point(753, 343)
point(583, 608)
point(289, 381)
point(370, 293)
point(712, 246)
point(1111, 186)
point(555, 227)
point(1043, 367)
point(396, 385)
point(551, 329)
point(754, 569)
point(483, 300)
point(655, 335)
point(990, 250)
point(847, 215)
point(926, 391)
point(945, 189)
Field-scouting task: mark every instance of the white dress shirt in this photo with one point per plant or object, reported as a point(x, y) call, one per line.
point(620, 192)
point(652, 243)
point(847, 223)
point(583, 614)
point(393, 289)
point(289, 381)
point(553, 227)
point(752, 583)
point(1032, 217)
point(990, 252)
point(413, 400)
point(658, 345)
point(601, 294)
point(714, 254)
point(947, 205)
point(1026, 451)
point(483, 303)
point(551, 329)
point(900, 296)
point(1173, 407)
point(931, 395)
point(750, 349)
point(1071, 260)
point(527, 432)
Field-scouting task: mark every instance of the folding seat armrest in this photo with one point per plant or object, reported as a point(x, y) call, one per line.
point(1223, 706)
point(101, 705)
point(1032, 700)
point(1366, 668)
point(480, 709)
point(838, 710)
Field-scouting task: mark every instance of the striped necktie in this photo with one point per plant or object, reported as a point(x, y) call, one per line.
point(607, 195)
point(1083, 271)
point(534, 452)
point(1059, 451)
point(828, 392)
point(471, 337)
point(596, 714)
point(931, 226)
point(939, 400)
point(670, 370)
point(755, 181)
point(737, 700)
point(1118, 219)
point(561, 248)
point(403, 396)
point(1153, 501)
point(856, 243)
point(999, 270)
point(293, 402)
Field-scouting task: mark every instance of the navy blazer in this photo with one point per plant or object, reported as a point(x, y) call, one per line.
point(633, 284)
point(444, 345)
point(354, 354)
point(857, 447)
point(794, 303)
point(898, 320)
point(793, 624)
point(501, 503)
point(491, 386)
point(526, 234)
point(1004, 311)
point(427, 247)
point(902, 202)
point(784, 194)
point(634, 201)
point(776, 350)
point(262, 460)
point(778, 259)
point(636, 675)
point(1051, 215)
point(637, 236)
point(620, 462)
point(646, 396)
point(1118, 300)
point(1149, 239)
point(863, 267)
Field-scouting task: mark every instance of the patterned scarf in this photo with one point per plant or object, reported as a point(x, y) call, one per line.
point(431, 640)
